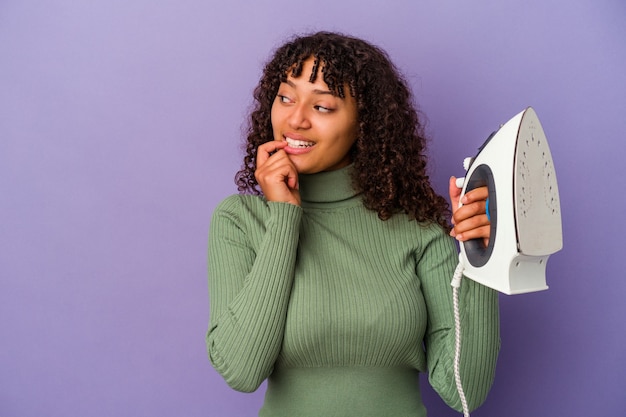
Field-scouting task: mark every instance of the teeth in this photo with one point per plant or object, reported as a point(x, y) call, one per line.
point(298, 143)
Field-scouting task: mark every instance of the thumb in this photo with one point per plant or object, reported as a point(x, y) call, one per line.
point(455, 193)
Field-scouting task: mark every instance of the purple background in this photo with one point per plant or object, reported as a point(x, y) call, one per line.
point(120, 126)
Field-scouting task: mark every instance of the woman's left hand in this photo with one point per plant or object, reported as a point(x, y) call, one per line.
point(470, 220)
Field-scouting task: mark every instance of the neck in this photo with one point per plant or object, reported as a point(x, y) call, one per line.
point(329, 187)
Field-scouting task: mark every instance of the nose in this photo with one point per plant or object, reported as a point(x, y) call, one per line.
point(299, 117)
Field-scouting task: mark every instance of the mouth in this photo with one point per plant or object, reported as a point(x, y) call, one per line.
point(298, 144)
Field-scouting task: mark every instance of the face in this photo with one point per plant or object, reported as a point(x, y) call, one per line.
point(319, 127)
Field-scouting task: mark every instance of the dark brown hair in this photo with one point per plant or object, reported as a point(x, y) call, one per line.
point(389, 153)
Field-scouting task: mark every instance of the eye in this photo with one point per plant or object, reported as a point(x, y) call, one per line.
point(283, 99)
point(322, 109)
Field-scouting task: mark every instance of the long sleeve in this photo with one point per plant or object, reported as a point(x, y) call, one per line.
point(479, 326)
point(339, 310)
point(252, 254)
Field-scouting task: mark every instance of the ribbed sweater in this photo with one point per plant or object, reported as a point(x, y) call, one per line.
point(340, 310)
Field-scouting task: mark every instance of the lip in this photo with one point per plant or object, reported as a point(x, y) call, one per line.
point(297, 150)
point(296, 136)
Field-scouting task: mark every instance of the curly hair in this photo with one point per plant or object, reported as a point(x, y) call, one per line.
point(389, 153)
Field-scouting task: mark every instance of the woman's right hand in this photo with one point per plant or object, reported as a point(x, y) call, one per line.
point(276, 174)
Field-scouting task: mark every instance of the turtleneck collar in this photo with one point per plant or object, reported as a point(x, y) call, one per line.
point(328, 189)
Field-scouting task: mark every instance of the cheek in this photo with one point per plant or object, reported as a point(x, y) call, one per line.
point(274, 121)
point(273, 115)
point(348, 135)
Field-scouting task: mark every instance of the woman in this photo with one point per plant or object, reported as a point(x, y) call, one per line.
point(330, 274)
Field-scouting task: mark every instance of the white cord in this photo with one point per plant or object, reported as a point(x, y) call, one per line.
point(456, 283)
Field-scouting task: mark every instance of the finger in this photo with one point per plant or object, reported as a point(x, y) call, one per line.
point(266, 150)
point(455, 194)
point(482, 232)
point(470, 223)
point(281, 165)
point(469, 211)
point(477, 194)
point(278, 178)
point(276, 169)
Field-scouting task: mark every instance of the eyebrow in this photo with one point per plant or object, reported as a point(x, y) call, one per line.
point(316, 91)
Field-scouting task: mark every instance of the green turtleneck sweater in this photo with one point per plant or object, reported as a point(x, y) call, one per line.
point(340, 310)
